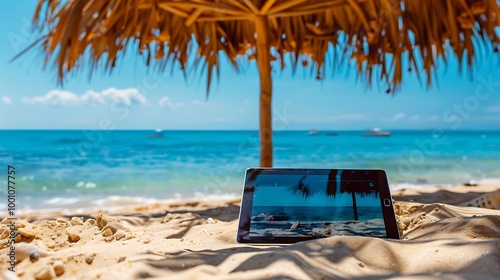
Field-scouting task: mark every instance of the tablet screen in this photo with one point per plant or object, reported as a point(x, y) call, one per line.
point(298, 204)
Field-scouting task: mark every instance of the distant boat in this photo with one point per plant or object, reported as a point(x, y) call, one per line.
point(377, 132)
point(157, 134)
point(314, 131)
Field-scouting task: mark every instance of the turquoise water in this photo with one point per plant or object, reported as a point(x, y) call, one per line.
point(79, 169)
point(318, 213)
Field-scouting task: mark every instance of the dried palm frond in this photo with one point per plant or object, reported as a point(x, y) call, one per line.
point(378, 34)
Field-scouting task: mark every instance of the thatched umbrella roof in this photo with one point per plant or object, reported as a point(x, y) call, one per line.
point(381, 36)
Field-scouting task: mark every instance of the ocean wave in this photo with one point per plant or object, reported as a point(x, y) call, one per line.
point(61, 201)
point(110, 203)
point(400, 186)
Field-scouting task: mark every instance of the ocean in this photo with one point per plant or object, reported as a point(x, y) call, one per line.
point(77, 169)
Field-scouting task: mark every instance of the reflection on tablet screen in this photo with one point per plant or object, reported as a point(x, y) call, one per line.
point(316, 205)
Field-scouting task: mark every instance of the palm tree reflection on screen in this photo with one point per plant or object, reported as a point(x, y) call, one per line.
point(354, 182)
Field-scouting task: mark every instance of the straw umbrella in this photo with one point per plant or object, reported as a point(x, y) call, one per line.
point(381, 37)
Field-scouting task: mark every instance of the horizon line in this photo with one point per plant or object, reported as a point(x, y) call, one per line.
point(279, 130)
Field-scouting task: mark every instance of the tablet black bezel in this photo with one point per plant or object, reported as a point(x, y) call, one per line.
point(247, 199)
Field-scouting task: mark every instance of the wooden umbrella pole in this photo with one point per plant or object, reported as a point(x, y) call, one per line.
point(266, 90)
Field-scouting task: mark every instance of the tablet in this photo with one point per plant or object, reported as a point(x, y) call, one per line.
point(292, 205)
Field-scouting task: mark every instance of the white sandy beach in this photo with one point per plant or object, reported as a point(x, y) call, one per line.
point(197, 240)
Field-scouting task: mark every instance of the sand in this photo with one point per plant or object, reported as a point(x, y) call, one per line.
point(442, 239)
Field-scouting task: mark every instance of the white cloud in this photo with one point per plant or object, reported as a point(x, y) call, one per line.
point(165, 102)
point(55, 97)
point(6, 100)
point(125, 97)
point(348, 117)
point(93, 97)
point(399, 116)
point(395, 118)
point(493, 108)
point(415, 118)
point(328, 119)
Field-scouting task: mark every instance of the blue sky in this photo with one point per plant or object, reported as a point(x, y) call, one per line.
point(31, 99)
